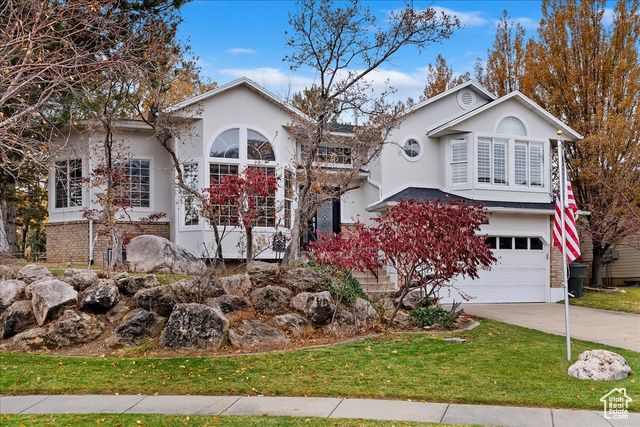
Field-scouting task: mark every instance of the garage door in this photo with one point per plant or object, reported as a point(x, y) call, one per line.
point(520, 274)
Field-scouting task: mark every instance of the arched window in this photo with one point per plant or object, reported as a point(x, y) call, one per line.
point(258, 147)
point(227, 145)
point(511, 126)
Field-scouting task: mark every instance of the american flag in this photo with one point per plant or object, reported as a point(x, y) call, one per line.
point(571, 234)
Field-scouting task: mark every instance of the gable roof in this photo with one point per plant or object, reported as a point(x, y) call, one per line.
point(243, 81)
point(522, 99)
point(432, 194)
point(471, 84)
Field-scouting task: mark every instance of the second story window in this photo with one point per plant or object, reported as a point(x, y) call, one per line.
point(459, 161)
point(529, 164)
point(492, 161)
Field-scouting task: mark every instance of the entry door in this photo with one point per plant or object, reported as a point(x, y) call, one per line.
point(325, 221)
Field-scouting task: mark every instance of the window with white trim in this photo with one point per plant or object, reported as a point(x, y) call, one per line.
point(136, 185)
point(492, 161)
point(227, 214)
point(190, 177)
point(459, 161)
point(411, 149)
point(288, 197)
point(68, 183)
point(266, 206)
point(511, 126)
point(529, 164)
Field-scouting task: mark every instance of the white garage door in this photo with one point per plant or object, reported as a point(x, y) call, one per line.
point(520, 275)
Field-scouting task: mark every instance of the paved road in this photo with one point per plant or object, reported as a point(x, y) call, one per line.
point(602, 326)
point(396, 410)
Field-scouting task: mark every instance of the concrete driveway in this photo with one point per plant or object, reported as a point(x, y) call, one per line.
point(605, 327)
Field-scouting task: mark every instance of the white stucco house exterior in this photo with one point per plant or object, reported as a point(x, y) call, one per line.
point(463, 143)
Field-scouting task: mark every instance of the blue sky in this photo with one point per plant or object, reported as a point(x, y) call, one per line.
point(247, 38)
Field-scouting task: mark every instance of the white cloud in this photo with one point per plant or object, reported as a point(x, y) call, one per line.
point(527, 23)
point(467, 19)
point(607, 18)
point(241, 50)
point(272, 79)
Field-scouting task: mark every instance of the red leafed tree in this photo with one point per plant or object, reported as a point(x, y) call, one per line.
point(428, 244)
point(246, 197)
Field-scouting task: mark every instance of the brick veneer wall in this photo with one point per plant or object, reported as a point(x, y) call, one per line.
point(556, 262)
point(69, 241)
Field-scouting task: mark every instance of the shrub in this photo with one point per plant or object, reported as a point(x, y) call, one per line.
point(435, 315)
point(338, 282)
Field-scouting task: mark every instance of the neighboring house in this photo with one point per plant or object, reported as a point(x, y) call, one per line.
point(621, 264)
point(463, 143)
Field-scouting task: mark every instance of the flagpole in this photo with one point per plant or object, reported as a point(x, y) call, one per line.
point(563, 209)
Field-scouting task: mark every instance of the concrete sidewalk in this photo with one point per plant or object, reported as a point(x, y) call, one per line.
point(325, 407)
point(602, 326)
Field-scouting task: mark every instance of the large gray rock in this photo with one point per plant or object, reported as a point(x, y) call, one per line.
point(230, 303)
point(195, 290)
point(263, 273)
point(33, 339)
point(295, 324)
point(255, 333)
point(302, 279)
point(31, 273)
point(414, 300)
point(318, 306)
point(365, 311)
point(49, 297)
point(238, 284)
point(72, 329)
point(600, 365)
point(80, 279)
point(117, 312)
point(160, 299)
point(195, 326)
point(137, 326)
point(100, 296)
point(129, 285)
point(153, 254)
point(10, 292)
point(271, 299)
point(18, 317)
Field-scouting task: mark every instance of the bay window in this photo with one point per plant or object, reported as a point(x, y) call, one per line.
point(492, 161)
point(459, 161)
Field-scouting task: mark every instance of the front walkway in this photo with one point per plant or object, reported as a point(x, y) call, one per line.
point(325, 407)
point(602, 326)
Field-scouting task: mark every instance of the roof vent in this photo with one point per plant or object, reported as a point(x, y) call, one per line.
point(466, 99)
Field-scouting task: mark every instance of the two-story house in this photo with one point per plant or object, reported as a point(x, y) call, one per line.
point(463, 143)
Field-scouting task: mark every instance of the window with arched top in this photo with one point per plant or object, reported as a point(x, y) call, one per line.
point(511, 126)
point(258, 147)
point(227, 145)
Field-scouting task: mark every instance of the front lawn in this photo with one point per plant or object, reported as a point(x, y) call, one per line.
point(141, 420)
point(499, 364)
point(628, 303)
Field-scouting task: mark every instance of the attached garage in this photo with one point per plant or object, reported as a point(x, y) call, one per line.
point(520, 275)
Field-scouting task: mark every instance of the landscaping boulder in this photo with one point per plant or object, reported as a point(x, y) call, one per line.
point(238, 284)
point(263, 273)
point(195, 290)
point(318, 307)
point(31, 273)
point(302, 279)
point(137, 326)
point(153, 254)
point(73, 328)
point(195, 326)
point(10, 291)
point(18, 317)
point(78, 278)
point(271, 299)
point(365, 311)
point(414, 300)
point(117, 312)
point(600, 365)
point(295, 324)
point(255, 333)
point(129, 285)
point(7, 273)
point(402, 320)
point(100, 296)
point(160, 299)
point(230, 303)
point(33, 339)
point(49, 297)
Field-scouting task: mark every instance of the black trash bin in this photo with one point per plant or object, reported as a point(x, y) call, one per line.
point(577, 273)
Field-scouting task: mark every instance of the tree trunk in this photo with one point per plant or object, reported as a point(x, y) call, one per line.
point(293, 249)
point(596, 265)
point(405, 291)
point(249, 234)
point(219, 258)
point(116, 248)
point(4, 227)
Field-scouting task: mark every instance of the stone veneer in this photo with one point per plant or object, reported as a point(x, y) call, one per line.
point(69, 241)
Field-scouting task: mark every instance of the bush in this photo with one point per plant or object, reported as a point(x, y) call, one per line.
point(341, 282)
point(435, 315)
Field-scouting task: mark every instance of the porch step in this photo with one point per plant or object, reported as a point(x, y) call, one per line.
point(375, 288)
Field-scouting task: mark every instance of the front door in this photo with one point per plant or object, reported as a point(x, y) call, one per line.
point(325, 221)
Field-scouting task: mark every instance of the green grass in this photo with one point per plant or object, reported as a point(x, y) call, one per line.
point(141, 420)
point(628, 303)
point(500, 364)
